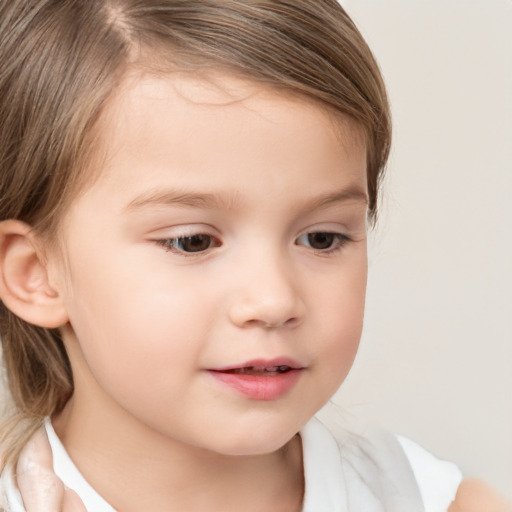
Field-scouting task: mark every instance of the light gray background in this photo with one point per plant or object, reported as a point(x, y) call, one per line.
point(436, 356)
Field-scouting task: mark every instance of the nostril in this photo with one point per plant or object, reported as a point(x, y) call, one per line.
point(266, 307)
point(290, 322)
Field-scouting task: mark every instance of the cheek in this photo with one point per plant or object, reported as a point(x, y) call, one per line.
point(341, 323)
point(139, 328)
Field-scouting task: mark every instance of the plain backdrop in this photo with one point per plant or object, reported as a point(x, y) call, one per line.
point(436, 356)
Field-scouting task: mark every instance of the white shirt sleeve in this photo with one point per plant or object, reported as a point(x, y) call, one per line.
point(438, 480)
point(10, 499)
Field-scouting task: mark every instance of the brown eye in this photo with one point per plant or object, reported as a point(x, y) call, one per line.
point(189, 244)
point(194, 243)
point(321, 240)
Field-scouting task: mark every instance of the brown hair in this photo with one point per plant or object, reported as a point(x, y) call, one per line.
point(60, 61)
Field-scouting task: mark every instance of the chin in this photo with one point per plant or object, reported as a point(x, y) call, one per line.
point(254, 442)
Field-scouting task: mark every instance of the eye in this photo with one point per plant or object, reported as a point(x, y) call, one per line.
point(322, 241)
point(189, 244)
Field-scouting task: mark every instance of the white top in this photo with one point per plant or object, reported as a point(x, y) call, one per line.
point(323, 473)
point(437, 480)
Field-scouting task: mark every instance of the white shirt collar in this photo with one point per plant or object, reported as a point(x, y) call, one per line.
point(323, 473)
point(66, 470)
point(323, 470)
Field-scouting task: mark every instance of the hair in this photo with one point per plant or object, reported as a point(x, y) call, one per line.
point(61, 61)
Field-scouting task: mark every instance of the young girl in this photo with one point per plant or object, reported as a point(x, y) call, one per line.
point(186, 188)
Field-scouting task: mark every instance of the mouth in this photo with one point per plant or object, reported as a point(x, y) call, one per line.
point(267, 367)
point(260, 380)
point(259, 370)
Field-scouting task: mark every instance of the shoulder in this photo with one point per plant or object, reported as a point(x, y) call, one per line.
point(437, 479)
point(476, 496)
point(442, 487)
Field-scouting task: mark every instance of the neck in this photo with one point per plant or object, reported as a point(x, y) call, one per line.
point(135, 468)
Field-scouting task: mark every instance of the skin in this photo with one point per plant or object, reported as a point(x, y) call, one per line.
point(476, 496)
point(144, 321)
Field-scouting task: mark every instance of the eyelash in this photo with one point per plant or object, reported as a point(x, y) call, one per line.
point(172, 244)
point(337, 241)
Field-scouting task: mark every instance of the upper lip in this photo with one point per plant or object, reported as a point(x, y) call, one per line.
point(262, 364)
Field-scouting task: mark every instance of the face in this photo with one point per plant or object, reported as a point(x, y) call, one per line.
point(215, 271)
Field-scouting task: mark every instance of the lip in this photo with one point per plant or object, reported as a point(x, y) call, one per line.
point(265, 379)
point(262, 363)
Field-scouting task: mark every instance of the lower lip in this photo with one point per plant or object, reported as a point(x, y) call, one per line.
point(260, 387)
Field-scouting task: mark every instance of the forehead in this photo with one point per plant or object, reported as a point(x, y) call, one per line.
point(216, 122)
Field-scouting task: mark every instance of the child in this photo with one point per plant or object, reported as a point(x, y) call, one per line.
point(185, 193)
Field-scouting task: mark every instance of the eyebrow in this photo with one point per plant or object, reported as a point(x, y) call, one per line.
point(187, 199)
point(353, 193)
point(170, 198)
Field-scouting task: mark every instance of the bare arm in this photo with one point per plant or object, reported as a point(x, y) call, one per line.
point(476, 496)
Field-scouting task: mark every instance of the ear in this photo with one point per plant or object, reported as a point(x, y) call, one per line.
point(24, 282)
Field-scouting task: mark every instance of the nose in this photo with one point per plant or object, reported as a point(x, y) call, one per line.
point(266, 295)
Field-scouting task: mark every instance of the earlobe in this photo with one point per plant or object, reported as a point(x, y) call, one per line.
point(24, 285)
